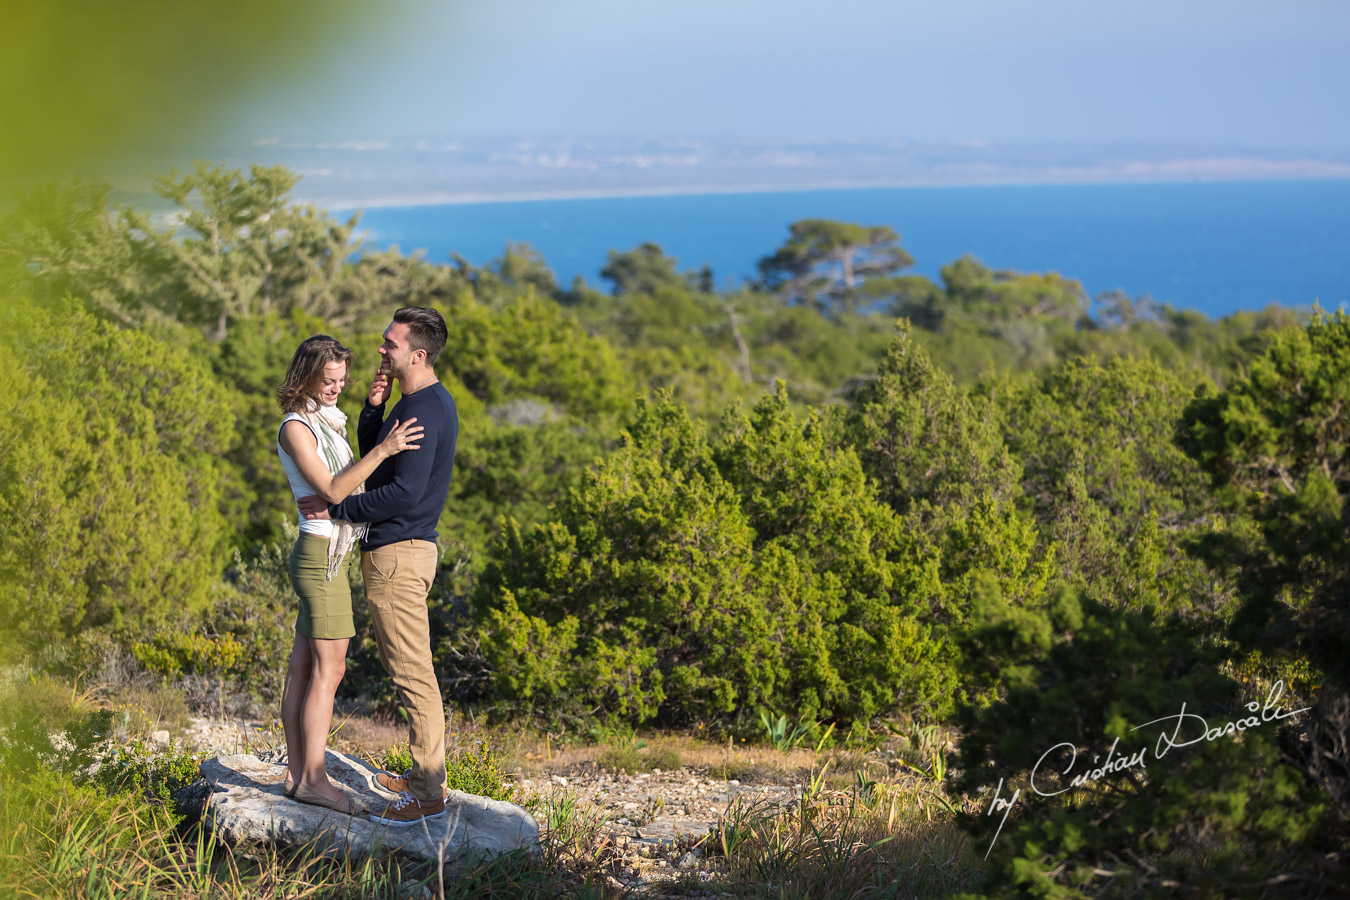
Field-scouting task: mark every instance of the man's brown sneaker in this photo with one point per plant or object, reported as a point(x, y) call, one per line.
point(393, 784)
point(389, 782)
point(408, 810)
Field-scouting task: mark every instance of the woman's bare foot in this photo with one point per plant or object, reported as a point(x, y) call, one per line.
point(326, 795)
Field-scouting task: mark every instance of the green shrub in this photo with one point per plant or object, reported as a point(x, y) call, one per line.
point(625, 759)
point(853, 589)
point(189, 654)
point(686, 580)
point(531, 347)
point(926, 444)
point(143, 429)
point(1275, 442)
point(476, 771)
point(639, 594)
point(667, 759)
point(1105, 478)
point(1216, 817)
point(664, 588)
point(398, 758)
point(45, 725)
point(630, 759)
point(154, 775)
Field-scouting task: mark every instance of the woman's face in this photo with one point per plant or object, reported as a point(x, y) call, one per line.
point(331, 383)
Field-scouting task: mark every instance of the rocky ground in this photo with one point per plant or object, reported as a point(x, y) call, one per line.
point(657, 823)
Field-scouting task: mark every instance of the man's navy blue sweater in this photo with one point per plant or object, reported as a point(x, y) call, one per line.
point(406, 493)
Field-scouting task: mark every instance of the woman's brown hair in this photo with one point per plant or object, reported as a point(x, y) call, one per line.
point(305, 373)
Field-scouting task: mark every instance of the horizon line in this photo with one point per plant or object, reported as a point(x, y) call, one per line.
point(451, 198)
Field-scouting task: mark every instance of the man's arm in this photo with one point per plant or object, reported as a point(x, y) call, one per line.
point(412, 473)
point(368, 426)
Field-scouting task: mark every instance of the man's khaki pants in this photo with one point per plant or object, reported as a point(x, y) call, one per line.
point(398, 579)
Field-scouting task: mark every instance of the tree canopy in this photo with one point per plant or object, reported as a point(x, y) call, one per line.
point(824, 262)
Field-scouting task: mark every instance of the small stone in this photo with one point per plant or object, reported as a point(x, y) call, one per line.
point(688, 861)
point(159, 737)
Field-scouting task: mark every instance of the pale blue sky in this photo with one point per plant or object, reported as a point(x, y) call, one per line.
point(1236, 72)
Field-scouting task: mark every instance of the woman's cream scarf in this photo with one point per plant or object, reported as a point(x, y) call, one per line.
point(330, 425)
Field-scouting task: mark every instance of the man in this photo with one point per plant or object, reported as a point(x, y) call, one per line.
point(402, 503)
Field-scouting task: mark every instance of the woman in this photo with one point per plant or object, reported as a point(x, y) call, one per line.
point(312, 444)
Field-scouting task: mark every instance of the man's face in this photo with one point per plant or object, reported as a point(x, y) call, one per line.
point(395, 351)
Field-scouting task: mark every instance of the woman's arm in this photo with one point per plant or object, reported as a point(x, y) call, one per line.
point(298, 441)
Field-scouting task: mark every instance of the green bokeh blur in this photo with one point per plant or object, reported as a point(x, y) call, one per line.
point(83, 84)
point(92, 88)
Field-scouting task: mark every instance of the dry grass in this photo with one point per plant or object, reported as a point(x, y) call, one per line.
point(534, 756)
point(60, 840)
point(841, 844)
point(863, 824)
point(360, 735)
point(141, 710)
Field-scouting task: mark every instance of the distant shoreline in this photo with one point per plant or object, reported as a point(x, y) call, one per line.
point(1192, 241)
point(451, 198)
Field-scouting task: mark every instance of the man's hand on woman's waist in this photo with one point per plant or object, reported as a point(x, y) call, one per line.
point(313, 507)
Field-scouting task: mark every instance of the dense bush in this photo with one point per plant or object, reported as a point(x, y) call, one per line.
point(531, 348)
point(927, 444)
point(1275, 443)
point(111, 479)
point(855, 636)
point(1105, 477)
point(686, 578)
point(640, 592)
point(1121, 812)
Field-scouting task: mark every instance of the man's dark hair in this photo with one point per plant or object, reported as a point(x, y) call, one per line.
point(426, 330)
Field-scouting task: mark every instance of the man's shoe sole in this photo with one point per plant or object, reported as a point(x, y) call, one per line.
point(399, 823)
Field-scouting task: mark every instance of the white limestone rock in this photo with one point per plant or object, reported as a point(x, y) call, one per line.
point(246, 803)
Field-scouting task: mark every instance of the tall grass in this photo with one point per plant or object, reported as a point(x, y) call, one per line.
point(877, 840)
point(85, 816)
point(59, 839)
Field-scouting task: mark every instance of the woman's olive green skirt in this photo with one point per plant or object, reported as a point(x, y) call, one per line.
point(325, 606)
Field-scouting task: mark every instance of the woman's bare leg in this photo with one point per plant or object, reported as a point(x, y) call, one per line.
point(298, 673)
point(329, 665)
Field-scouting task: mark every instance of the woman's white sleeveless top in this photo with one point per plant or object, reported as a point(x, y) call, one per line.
point(299, 486)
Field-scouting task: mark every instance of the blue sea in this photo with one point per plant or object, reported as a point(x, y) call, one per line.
point(1212, 247)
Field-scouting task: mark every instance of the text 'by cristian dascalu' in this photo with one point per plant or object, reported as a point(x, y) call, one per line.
point(1189, 729)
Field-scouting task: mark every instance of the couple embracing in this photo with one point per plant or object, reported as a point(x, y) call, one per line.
point(389, 501)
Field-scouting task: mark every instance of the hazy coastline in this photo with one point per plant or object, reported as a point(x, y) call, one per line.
point(468, 199)
point(371, 174)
